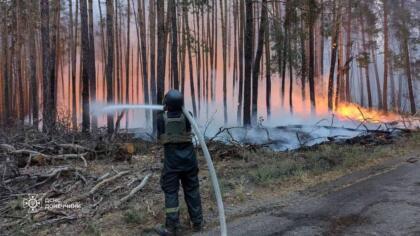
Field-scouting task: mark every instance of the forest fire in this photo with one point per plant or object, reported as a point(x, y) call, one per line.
point(104, 105)
point(355, 112)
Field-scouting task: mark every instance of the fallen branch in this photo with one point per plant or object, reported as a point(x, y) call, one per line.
point(97, 186)
point(103, 176)
point(221, 131)
point(96, 203)
point(62, 156)
point(7, 147)
point(103, 182)
point(133, 191)
point(226, 130)
point(29, 152)
point(78, 174)
point(298, 138)
point(65, 156)
point(75, 147)
point(48, 177)
point(53, 221)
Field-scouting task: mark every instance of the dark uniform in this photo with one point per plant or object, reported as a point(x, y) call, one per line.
point(180, 165)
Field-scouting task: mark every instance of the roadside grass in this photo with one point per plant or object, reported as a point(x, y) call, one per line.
point(275, 167)
point(270, 172)
point(315, 162)
point(224, 185)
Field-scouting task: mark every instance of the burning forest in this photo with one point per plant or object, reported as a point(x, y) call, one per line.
point(236, 61)
point(277, 99)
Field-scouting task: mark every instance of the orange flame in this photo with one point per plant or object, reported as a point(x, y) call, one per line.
point(354, 112)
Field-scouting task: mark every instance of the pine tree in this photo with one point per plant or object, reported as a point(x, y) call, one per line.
point(86, 57)
point(110, 60)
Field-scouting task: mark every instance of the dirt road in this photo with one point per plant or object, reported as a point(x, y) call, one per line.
point(384, 200)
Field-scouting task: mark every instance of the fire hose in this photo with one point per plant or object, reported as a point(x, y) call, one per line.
point(212, 171)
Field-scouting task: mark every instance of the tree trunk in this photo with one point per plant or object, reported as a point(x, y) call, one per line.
point(267, 68)
point(333, 61)
point(223, 19)
point(183, 54)
point(174, 46)
point(127, 63)
point(311, 80)
point(290, 77)
point(215, 51)
point(161, 41)
point(153, 79)
point(33, 72)
point(366, 52)
point(92, 59)
point(303, 58)
point(341, 70)
point(279, 51)
point(6, 85)
point(110, 61)
point(321, 44)
point(235, 45)
point(45, 40)
point(196, 25)
point(53, 63)
point(362, 87)
point(187, 31)
point(102, 24)
point(348, 50)
point(117, 36)
point(392, 86)
point(142, 28)
point(400, 92)
point(284, 50)
point(241, 61)
point(73, 49)
point(407, 65)
point(378, 83)
point(207, 56)
point(248, 42)
point(386, 57)
point(18, 61)
point(257, 61)
point(86, 65)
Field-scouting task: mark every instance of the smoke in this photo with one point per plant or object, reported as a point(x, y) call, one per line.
point(297, 130)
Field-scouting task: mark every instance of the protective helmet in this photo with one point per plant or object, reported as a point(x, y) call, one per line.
point(173, 100)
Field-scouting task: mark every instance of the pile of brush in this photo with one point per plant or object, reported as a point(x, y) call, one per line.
point(72, 168)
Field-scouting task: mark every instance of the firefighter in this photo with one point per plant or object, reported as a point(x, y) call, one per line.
point(179, 165)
